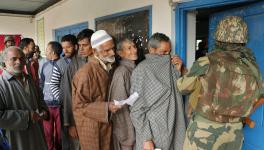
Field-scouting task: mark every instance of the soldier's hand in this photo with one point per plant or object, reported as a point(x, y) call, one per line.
point(148, 145)
point(73, 132)
point(35, 117)
point(114, 108)
point(176, 60)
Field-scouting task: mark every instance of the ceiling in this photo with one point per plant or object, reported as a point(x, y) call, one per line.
point(25, 7)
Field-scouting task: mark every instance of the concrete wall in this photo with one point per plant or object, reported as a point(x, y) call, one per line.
point(69, 12)
point(17, 25)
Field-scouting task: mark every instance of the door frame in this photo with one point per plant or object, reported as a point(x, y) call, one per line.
point(181, 10)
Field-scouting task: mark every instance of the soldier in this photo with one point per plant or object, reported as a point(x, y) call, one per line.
point(224, 86)
point(9, 41)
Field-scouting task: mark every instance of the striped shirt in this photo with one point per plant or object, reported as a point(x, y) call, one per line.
point(55, 82)
point(56, 77)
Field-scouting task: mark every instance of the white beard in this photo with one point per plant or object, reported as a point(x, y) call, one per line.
point(108, 59)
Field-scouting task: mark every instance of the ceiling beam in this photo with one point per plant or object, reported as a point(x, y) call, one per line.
point(16, 12)
point(45, 6)
point(32, 13)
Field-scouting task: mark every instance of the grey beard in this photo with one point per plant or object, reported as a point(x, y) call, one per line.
point(108, 59)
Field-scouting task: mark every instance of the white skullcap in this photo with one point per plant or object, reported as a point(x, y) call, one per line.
point(99, 37)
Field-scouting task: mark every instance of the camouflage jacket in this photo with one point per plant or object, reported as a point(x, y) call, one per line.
point(224, 85)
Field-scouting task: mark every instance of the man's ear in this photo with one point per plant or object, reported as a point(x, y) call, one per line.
point(119, 53)
point(95, 52)
point(76, 47)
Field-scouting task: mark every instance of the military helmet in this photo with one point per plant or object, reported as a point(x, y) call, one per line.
point(232, 29)
point(9, 38)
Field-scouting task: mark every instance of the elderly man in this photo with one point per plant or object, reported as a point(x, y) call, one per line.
point(123, 130)
point(158, 114)
point(85, 50)
point(9, 41)
point(21, 105)
point(89, 93)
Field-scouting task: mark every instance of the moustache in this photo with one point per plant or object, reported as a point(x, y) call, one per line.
point(108, 59)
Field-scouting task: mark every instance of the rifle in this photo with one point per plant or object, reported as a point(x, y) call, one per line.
point(247, 120)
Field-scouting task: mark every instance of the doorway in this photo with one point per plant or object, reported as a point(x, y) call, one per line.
point(197, 30)
point(205, 18)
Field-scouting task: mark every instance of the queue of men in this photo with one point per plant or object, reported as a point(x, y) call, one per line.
point(70, 102)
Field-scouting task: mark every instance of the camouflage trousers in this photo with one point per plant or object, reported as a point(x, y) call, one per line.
point(203, 134)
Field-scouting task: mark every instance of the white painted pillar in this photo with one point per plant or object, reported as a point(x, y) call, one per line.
point(191, 38)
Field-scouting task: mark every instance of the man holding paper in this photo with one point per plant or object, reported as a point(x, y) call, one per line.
point(158, 115)
point(123, 130)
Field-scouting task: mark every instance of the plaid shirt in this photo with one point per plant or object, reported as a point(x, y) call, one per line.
point(158, 114)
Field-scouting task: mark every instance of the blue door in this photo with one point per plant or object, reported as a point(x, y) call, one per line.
point(254, 16)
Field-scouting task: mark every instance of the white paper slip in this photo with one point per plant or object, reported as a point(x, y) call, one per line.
point(130, 101)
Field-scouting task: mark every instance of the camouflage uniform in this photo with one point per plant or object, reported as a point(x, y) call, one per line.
point(7, 38)
point(203, 134)
point(224, 86)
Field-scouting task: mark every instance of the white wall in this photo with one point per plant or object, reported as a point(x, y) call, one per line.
point(69, 12)
point(17, 25)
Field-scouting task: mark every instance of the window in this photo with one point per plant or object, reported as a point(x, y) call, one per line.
point(73, 29)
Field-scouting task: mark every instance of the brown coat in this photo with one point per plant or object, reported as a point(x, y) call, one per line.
point(90, 106)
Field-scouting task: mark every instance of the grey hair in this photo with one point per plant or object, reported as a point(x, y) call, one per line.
point(5, 52)
point(156, 39)
point(119, 45)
